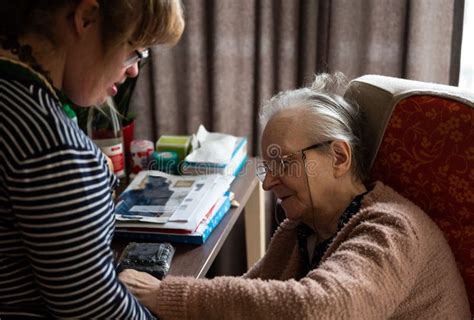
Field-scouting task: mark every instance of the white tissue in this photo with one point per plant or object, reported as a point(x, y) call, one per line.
point(212, 147)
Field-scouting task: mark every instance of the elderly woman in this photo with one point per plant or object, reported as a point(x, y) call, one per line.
point(346, 250)
point(56, 206)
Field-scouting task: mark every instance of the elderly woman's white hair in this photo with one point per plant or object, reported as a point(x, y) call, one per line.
point(328, 115)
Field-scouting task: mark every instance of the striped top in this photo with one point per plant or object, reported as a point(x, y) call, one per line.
point(56, 210)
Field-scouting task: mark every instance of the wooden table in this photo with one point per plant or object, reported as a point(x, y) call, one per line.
point(195, 261)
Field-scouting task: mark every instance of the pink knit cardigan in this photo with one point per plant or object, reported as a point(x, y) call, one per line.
point(389, 261)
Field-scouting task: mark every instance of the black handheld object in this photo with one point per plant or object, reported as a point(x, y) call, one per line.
point(153, 258)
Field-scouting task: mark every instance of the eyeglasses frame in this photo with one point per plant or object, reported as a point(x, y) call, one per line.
point(283, 158)
point(137, 57)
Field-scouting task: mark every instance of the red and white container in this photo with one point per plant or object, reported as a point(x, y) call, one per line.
point(140, 151)
point(105, 130)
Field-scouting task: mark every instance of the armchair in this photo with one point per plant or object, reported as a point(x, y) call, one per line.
point(421, 143)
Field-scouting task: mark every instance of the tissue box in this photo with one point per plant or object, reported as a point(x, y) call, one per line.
point(179, 144)
point(233, 167)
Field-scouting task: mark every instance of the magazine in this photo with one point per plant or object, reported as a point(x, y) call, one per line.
point(199, 236)
point(175, 202)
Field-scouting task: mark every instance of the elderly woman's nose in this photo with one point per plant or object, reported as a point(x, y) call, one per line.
point(269, 182)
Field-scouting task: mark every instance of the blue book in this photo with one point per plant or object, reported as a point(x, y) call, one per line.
point(238, 159)
point(199, 236)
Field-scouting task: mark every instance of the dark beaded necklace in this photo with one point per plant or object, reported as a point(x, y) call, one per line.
point(304, 232)
point(24, 54)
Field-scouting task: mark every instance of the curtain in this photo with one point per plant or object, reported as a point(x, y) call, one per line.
point(236, 54)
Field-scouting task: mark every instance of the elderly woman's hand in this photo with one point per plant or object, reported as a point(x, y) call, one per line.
point(142, 285)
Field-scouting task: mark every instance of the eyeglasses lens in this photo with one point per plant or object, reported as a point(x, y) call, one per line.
point(136, 57)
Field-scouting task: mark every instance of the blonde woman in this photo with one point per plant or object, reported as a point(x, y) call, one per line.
point(56, 207)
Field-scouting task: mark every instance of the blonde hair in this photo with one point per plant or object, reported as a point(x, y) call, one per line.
point(143, 23)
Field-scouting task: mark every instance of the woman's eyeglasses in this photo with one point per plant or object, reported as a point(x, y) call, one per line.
point(136, 57)
point(281, 164)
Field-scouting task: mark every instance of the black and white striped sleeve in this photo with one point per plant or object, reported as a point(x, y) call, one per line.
point(57, 188)
point(63, 207)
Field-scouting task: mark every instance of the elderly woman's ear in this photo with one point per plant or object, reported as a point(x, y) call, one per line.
point(342, 155)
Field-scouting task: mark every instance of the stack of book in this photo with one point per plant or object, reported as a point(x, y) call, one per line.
point(163, 207)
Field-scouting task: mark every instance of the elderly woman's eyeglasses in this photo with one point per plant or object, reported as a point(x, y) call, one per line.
point(280, 165)
point(136, 57)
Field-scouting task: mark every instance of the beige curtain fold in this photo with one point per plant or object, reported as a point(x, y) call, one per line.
point(235, 54)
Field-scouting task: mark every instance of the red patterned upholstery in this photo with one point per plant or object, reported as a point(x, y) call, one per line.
point(427, 154)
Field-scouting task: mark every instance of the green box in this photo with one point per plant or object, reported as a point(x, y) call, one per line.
point(179, 144)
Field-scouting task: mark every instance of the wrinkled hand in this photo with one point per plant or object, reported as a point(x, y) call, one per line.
point(142, 285)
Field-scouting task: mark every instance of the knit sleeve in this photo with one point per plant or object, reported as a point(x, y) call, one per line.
point(367, 277)
point(282, 247)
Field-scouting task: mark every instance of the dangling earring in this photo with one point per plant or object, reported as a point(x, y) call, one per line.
point(310, 195)
point(275, 216)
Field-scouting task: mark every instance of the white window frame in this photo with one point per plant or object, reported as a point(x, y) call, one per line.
point(466, 74)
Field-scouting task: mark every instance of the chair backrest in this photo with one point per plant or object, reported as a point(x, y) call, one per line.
point(421, 143)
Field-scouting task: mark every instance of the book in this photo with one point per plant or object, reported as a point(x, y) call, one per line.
point(199, 236)
point(158, 200)
point(237, 162)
